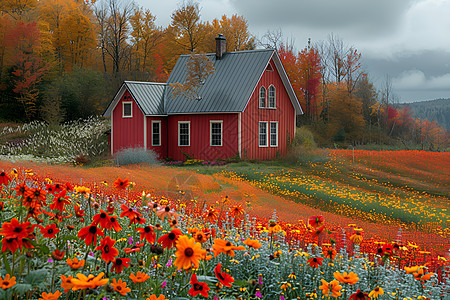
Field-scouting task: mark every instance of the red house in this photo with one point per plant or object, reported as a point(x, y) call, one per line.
point(248, 108)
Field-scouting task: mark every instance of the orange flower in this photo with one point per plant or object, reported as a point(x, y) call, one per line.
point(236, 210)
point(37, 194)
point(7, 282)
point(114, 224)
point(121, 184)
point(108, 251)
point(211, 215)
point(139, 277)
point(255, 244)
point(120, 286)
point(164, 211)
point(419, 275)
point(226, 247)
point(224, 278)
point(411, 269)
point(376, 292)
point(60, 201)
point(200, 237)
point(315, 262)
point(50, 296)
point(188, 253)
point(350, 278)
point(82, 281)
point(75, 263)
point(66, 283)
point(329, 252)
point(332, 288)
point(153, 297)
point(356, 238)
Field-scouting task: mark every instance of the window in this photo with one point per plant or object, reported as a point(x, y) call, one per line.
point(272, 103)
point(156, 133)
point(183, 133)
point(216, 133)
point(273, 134)
point(269, 67)
point(262, 134)
point(127, 109)
point(262, 97)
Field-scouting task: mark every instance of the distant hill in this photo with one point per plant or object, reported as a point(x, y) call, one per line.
point(433, 110)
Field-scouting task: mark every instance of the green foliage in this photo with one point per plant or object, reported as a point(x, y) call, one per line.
point(132, 156)
point(304, 138)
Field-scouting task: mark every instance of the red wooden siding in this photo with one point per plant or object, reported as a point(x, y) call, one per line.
point(284, 114)
point(127, 132)
point(200, 147)
point(161, 151)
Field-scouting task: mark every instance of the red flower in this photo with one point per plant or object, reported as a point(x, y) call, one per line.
point(58, 255)
point(89, 234)
point(50, 188)
point(79, 212)
point(21, 189)
point(102, 218)
point(387, 249)
point(129, 212)
point(224, 278)
point(37, 194)
point(198, 287)
point(14, 229)
point(137, 220)
point(11, 244)
point(168, 240)
point(121, 184)
point(316, 221)
point(60, 200)
point(108, 251)
point(68, 186)
point(317, 231)
point(315, 262)
point(147, 233)
point(58, 188)
point(4, 178)
point(114, 224)
point(119, 263)
point(50, 230)
point(359, 296)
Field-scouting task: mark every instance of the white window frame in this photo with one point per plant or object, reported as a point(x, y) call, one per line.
point(274, 97)
point(276, 134)
point(265, 97)
point(159, 133)
point(189, 133)
point(123, 109)
point(211, 122)
point(266, 134)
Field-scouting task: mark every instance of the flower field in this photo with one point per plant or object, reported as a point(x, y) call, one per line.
point(64, 237)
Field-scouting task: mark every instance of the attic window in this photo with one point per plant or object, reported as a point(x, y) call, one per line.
point(269, 67)
point(127, 109)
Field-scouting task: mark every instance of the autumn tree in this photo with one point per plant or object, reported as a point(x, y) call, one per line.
point(17, 9)
point(198, 67)
point(367, 93)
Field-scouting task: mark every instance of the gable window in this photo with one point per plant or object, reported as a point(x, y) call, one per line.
point(262, 97)
point(184, 133)
point(273, 134)
point(216, 132)
point(263, 134)
point(272, 100)
point(156, 133)
point(127, 109)
point(269, 67)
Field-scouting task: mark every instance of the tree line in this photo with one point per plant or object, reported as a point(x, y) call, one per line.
point(65, 59)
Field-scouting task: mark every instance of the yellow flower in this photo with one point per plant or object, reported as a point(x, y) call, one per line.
point(188, 253)
point(285, 286)
point(376, 292)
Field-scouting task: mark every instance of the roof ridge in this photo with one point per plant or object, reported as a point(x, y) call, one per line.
point(146, 82)
point(236, 52)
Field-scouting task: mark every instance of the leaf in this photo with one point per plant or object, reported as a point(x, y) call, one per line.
point(36, 277)
point(22, 288)
point(44, 249)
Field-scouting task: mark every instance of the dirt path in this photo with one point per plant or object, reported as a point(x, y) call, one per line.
point(169, 181)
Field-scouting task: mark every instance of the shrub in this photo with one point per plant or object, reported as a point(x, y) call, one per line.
point(304, 138)
point(132, 156)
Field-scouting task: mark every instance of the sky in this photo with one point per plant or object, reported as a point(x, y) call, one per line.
point(406, 42)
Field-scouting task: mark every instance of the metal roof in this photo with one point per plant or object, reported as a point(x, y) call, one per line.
point(228, 89)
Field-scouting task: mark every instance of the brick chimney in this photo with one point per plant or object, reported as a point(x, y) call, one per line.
point(221, 46)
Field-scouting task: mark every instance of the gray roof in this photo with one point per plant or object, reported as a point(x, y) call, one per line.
point(227, 90)
point(149, 96)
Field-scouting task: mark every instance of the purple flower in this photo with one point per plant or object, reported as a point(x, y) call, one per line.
point(130, 241)
point(163, 285)
point(169, 262)
point(258, 294)
point(50, 260)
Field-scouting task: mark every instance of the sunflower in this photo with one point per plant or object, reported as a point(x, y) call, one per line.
point(75, 263)
point(50, 296)
point(350, 278)
point(331, 287)
point(168, 240)
point(121, 184)
point(82, 281)
point(315, 262)
point(139, 277)
point(89, 234)
point(108, 251)
point(224, 278)
point(50, 231)
point(376, 292)
point(198, 287)
point(255, 244)
point(7, 282)
point(119, 264)
point(329, 252)
point(188, 253)
point(226, 247)
point(120, 286)
point(359, 296)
